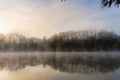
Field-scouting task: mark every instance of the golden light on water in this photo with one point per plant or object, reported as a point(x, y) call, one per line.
point(4, 75)
point(33, 73)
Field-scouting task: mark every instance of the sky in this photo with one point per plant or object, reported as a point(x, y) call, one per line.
point(39, 18)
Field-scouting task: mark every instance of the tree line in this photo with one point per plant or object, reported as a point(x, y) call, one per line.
point(64, 41)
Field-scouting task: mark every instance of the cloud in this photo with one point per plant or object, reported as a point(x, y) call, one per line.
point(44, 19)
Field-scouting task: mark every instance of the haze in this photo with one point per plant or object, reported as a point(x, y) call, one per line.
point(41, 18)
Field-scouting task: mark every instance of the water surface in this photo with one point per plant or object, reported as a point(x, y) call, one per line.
point(60, 66)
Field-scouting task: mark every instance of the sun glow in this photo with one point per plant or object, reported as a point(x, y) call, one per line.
point(3, 75)
point(4, 28)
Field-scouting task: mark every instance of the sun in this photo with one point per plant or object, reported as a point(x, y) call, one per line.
point(4, 28)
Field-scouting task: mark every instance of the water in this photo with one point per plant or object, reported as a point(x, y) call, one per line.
point(60, 66)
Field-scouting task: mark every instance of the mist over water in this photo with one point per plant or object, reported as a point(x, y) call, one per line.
point(60, 66)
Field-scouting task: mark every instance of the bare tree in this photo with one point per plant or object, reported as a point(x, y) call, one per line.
point(109, 3)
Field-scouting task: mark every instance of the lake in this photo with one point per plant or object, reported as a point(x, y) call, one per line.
point(60, 66)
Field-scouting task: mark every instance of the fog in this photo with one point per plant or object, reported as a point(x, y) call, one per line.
point(59, 66)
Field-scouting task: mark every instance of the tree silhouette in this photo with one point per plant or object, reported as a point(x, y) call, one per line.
point(108, 3)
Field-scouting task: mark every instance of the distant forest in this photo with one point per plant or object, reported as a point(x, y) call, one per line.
point(64, 42)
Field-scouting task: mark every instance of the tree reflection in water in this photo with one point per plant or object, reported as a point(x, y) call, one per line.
point(71, 63)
